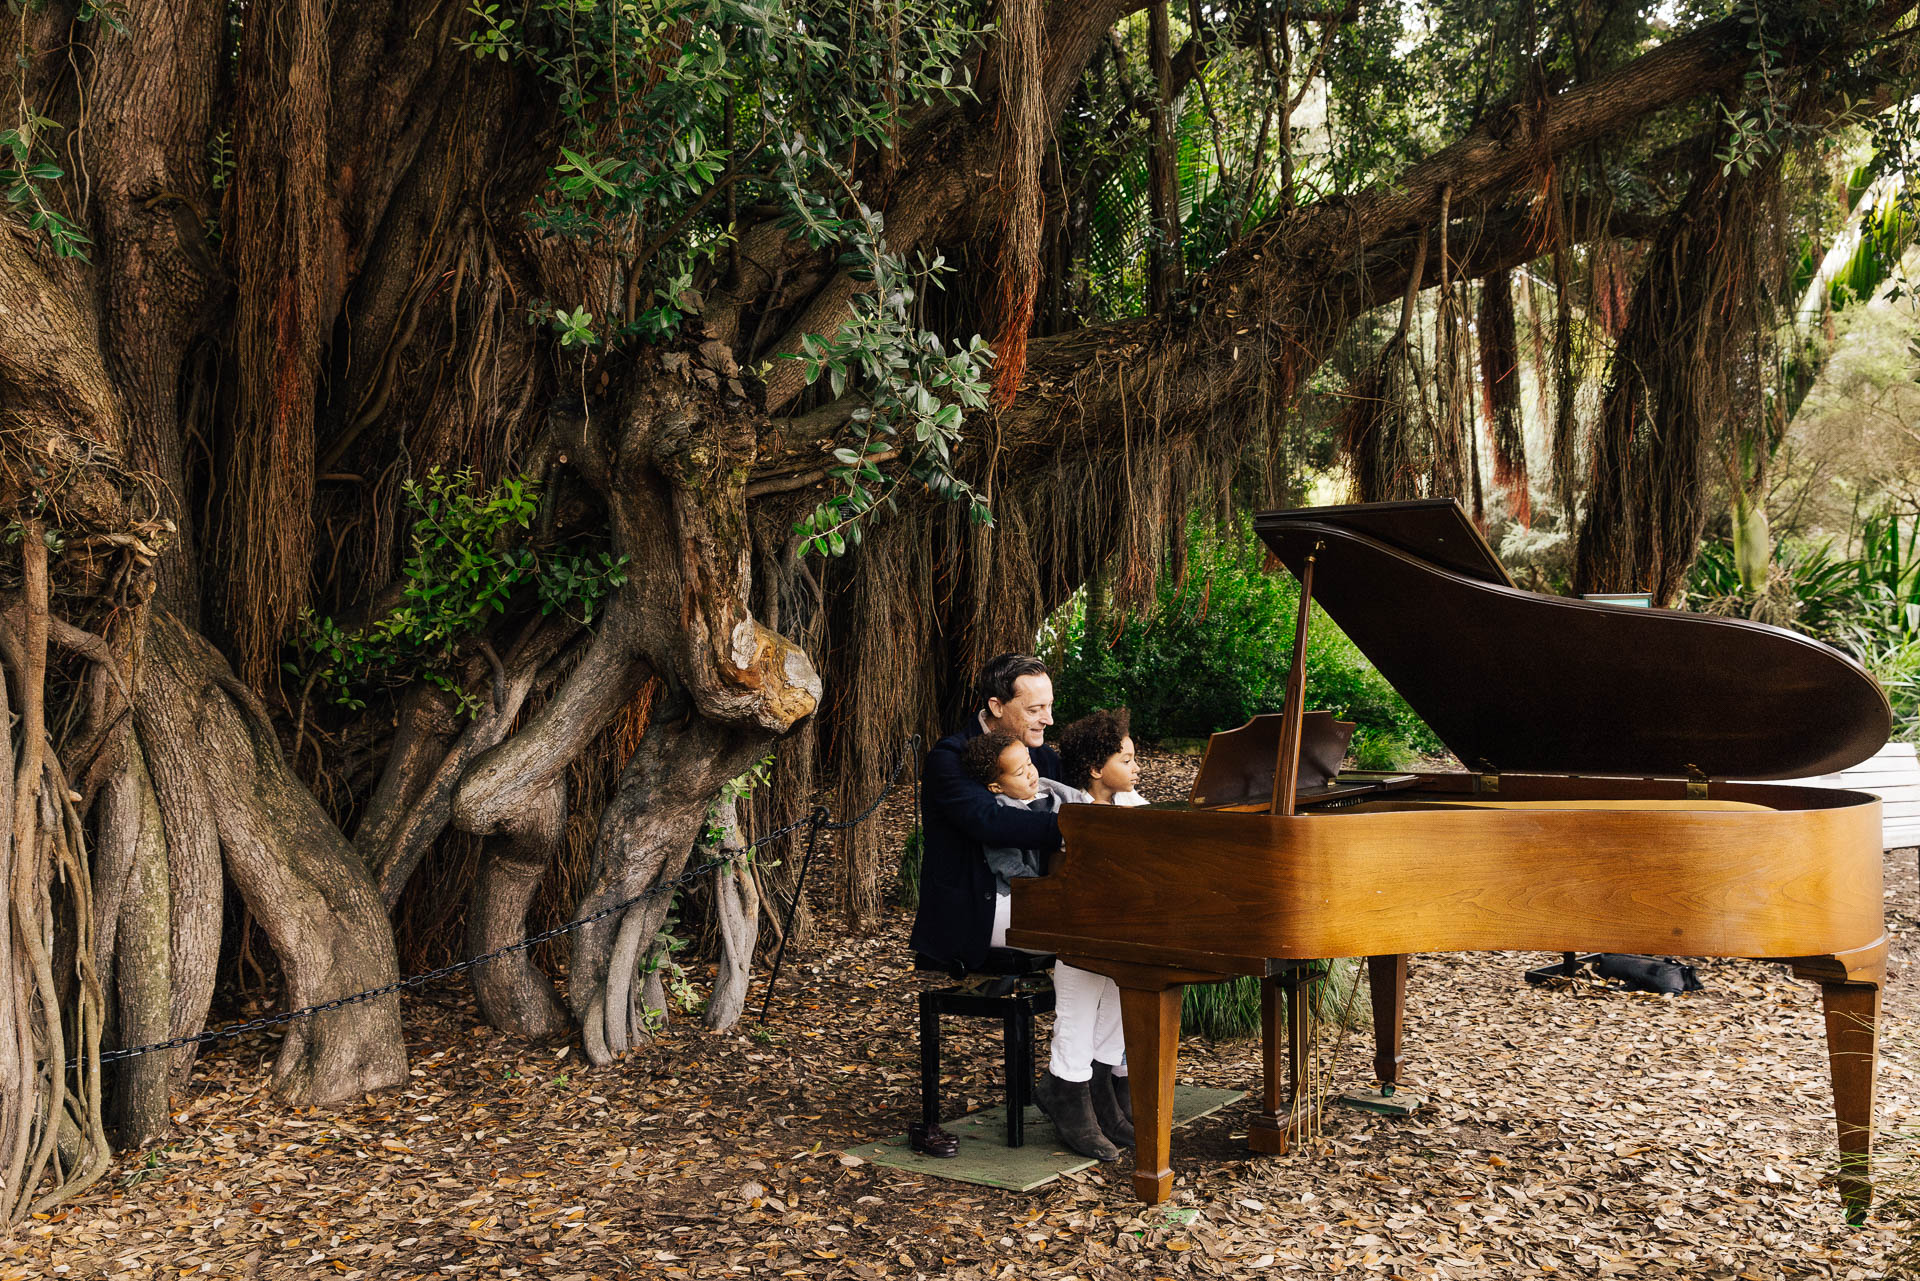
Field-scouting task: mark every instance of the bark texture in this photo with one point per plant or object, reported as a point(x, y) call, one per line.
point(134, 948)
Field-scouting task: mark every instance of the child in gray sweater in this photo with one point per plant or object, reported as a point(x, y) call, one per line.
point(1002, 763)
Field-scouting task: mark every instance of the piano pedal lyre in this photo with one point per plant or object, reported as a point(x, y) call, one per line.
point(1288, 1114)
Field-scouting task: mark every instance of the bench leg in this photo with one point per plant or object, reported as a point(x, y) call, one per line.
point(929, 1063)
point(1016, 1050)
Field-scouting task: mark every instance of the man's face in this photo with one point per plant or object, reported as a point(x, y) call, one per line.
point(1028, 713)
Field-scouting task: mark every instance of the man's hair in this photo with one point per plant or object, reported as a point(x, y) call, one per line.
point(1088, 743)
point(997, 677)
point(980, 758)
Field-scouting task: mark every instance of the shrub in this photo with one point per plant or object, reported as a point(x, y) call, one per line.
point(1221, 1011)
point(1867, 604)
point(473, 550)
point(1214, 652)
point(1897, 666)
point(908, 883)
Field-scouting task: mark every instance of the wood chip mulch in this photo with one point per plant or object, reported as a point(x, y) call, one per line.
point(1569, 1134)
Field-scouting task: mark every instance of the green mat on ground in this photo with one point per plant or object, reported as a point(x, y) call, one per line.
point(986, 1159)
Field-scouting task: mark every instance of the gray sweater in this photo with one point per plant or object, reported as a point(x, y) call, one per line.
point(1009, 863)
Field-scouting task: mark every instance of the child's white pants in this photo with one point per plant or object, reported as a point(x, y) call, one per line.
point(1086, 1013)
point(1086, 1024)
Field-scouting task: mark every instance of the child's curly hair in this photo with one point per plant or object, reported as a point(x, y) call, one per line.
point(1088, 743)
point(980, 758)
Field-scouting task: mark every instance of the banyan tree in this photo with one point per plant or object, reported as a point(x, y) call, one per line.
point(445, 446)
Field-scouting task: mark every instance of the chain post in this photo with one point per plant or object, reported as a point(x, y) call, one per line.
point(815, 822)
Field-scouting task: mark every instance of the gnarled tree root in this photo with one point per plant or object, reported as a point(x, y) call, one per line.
point(646, 831)
point(300, 878)
point(514, 995)
point(736, 897)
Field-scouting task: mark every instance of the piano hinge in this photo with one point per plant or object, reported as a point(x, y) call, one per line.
point(1696, 783)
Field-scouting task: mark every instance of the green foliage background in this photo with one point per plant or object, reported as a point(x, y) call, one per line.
point(1867, 603)
point(1215, 652)
point(473, 550)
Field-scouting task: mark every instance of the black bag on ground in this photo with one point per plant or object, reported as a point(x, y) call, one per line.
point(1646, 974)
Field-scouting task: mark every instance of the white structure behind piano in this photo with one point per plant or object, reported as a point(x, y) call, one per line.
point(1892, 774)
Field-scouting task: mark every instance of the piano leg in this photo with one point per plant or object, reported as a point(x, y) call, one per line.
point(1150, 1019)
point(1850, 996)
point(1283, 1058)
point(1387, 984)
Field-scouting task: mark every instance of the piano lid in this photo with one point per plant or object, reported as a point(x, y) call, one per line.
point(1513, 681)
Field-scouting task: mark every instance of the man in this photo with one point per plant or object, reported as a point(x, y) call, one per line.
point(959, 818)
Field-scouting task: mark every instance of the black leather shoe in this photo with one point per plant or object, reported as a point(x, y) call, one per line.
point(1109, 1095)
point(932, 1142)
point(1069, 1104)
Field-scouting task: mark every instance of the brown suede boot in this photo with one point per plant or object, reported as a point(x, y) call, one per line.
point(1111, 1107)
point(1069, 1105)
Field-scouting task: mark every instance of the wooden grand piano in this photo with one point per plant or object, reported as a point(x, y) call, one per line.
point(1596, 818)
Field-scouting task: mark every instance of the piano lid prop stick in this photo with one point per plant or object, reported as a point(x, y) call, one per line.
point(1286, 773)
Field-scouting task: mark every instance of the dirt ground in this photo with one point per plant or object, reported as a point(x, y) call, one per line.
point(1568, 1134)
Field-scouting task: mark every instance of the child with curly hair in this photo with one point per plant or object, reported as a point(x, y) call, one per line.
point(1088, 1067)
point(1096, 755)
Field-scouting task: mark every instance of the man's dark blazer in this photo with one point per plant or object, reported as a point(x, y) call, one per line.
point(957, 817)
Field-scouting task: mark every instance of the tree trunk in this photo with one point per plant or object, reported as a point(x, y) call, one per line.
point(514, 995)
point(409, 816)
point(300, 878)
point(646, 831)
point(175, 762)
point(135, 947)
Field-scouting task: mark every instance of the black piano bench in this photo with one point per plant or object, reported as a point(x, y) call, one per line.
point(1006, 987)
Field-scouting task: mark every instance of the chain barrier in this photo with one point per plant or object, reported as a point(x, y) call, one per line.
point(819, 822)
point(815, 822)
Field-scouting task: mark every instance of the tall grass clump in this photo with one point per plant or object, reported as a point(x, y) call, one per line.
point(1214, 651)
point(907, 884)
point(1231, 1011)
